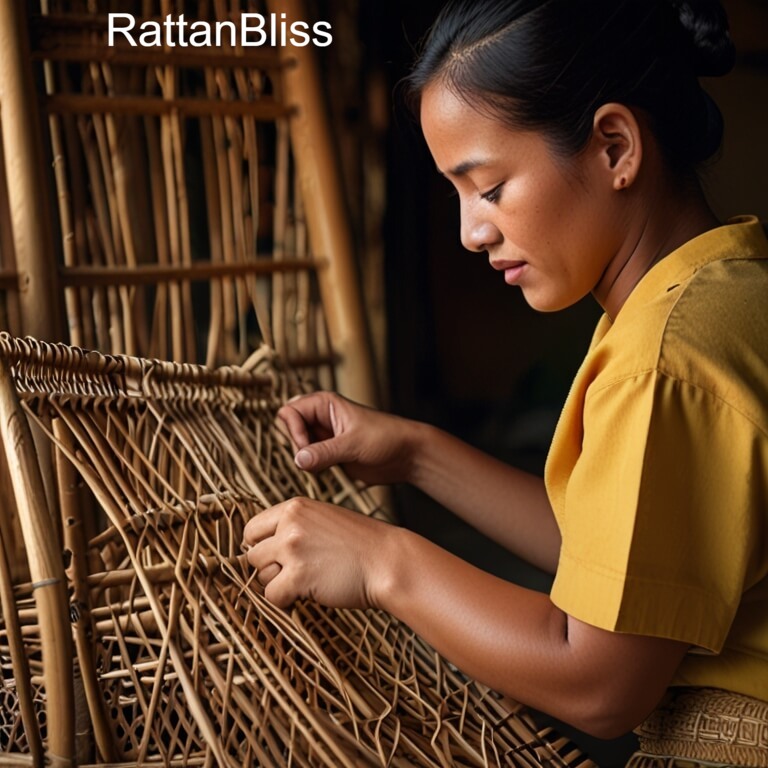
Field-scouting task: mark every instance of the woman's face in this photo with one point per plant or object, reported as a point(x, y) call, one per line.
point(548, 224)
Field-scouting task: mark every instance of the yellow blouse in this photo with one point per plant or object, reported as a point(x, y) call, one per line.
point(658, 471)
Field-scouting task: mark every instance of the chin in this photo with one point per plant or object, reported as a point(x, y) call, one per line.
point(544, 301)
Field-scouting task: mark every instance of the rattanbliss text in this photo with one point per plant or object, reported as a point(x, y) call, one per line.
point(253, 30)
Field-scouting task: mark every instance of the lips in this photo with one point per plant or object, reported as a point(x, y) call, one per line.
point(513, 270)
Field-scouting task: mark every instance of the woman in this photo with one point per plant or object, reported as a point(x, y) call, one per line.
point(572, 132)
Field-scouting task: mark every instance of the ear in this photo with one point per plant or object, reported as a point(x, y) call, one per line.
point(619, 144)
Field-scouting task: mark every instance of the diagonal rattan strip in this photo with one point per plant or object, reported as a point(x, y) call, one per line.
point(193, 663)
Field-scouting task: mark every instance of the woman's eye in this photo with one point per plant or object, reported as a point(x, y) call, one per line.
point(492, 195)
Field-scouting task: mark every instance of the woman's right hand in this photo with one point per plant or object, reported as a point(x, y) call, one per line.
point(327, 429)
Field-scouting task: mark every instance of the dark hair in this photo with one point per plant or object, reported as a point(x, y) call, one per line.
point(550, 64)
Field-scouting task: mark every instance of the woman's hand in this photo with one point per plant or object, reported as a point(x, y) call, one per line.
point(328, 429)
point(309, 549)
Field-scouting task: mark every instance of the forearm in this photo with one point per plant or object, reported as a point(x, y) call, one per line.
point(506, 504)
point(518, 642)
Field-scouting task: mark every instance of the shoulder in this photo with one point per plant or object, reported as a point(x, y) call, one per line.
point(715, 337)
point(708, 332)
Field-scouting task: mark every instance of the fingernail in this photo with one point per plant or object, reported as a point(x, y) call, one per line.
point(303, 459)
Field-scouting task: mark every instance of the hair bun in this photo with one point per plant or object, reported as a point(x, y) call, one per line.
point(706, 23)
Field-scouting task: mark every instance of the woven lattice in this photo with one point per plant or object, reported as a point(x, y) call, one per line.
point(182, 659)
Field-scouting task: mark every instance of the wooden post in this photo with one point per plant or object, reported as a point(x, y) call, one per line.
point(329, 229)
point(47, 571)
point(28, 193)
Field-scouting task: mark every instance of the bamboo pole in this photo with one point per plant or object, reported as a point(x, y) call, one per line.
point(46, 569)
point(74, 539)
point(201, 57)
point(265, 109)
point(329, 228)
point(27, 191)
point(19, 662)
point(28, 197)
point(149, 274)
point(9, 279)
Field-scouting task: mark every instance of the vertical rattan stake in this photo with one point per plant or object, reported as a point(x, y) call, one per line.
point(47, 571)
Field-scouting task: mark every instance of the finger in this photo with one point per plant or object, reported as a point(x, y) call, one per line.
point(261, 526)
point(265, 559)
point(297, 427)
point(264, 553)
point(326, 453)
point(267, 573)
point(315, 409)
point(282, 591)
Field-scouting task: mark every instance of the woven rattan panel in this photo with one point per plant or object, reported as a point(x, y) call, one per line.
point(179, 658)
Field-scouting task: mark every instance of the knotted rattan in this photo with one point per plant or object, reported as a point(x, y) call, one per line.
point(178, 659)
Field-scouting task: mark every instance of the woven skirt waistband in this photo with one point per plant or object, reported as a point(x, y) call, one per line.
point(704, 727)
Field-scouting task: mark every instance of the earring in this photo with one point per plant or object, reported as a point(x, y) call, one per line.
point(622, 182)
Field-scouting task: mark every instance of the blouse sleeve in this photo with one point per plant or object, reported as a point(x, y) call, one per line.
point(659, 524)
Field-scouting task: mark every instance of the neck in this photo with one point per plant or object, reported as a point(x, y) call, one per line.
point(656, 230)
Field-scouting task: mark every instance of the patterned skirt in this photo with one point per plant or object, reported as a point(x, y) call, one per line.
point(695, 727)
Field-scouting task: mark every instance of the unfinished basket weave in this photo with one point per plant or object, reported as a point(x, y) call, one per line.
point(179, 660)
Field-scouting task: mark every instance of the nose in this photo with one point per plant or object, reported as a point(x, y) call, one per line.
point(477, 232)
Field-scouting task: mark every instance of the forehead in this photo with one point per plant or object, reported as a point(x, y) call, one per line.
point(459, 133)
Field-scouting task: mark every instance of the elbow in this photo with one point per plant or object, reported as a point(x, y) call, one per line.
point(605, 717)
point(605, 726)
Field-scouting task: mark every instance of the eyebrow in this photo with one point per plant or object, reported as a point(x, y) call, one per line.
point(465, 167)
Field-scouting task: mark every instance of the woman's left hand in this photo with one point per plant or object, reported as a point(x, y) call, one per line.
point(309, 549)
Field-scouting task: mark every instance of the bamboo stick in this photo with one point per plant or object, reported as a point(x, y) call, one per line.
point(99, 230)
point(329, 228)
point(223, 220)
point(27, 190)
point(74, 540)
point(280, 234)
point(234, 161)
point(83, 323)
point(46, 569)
point(82, 52)
point(189, 351)
point(124, 221)
point(18, 655)
point(121, 322)
point(71, 298)
point(159, 344)
point(265, 109)
point(9, 278)
point(177, 318)
point(210, 178)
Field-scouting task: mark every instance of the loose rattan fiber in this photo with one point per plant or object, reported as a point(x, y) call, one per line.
point(179, 659)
